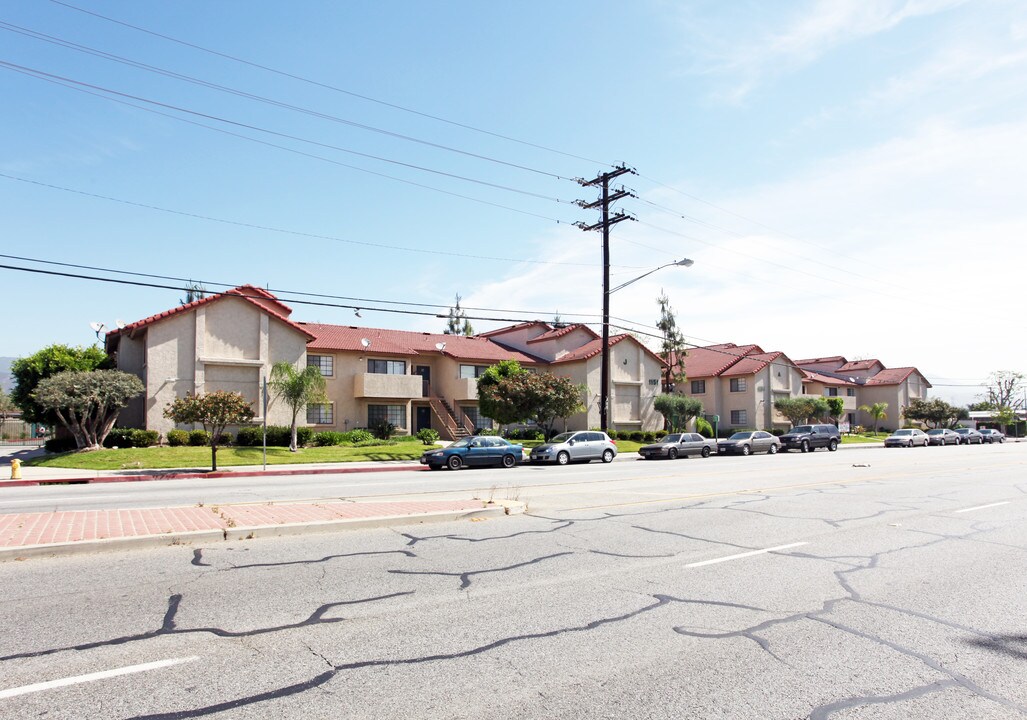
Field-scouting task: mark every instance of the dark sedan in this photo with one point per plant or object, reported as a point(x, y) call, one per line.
point(970, 436)
point(992, 436)
point(678, 445)
point(943, 436)
point(748, 442)
point(475, 451)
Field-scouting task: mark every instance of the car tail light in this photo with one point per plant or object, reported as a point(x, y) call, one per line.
point(613, 441)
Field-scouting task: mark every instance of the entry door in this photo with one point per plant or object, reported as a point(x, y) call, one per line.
point(425, 372)
point(423, 418)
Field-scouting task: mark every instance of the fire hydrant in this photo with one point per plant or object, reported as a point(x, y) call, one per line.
point(16, 469)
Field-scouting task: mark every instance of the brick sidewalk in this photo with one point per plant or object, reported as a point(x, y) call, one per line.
point(53, 528)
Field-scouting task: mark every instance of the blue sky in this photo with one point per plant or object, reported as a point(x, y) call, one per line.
point(848, 175)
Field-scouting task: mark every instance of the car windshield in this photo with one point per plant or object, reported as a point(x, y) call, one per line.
point(802, 429)
point(741, 436)
point(465, 442)
point(935, 432)
point(671, 439)
point(903, 432)
point(965, 431)
point(562, 437)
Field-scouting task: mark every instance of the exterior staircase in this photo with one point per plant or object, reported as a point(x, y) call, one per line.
point(454, 427)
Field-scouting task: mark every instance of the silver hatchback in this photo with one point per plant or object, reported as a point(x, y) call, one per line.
point(579, 446)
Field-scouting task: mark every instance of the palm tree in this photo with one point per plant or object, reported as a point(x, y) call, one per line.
point(876, 411)
point(298, 389)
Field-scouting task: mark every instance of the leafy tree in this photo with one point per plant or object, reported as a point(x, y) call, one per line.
point(7, 409)
point(835, 408)
point(878, 411)
point(215, 411)
point(87, 403)
point(677, 410)
point(298, 388)
point(936, 412)
point(494, 398)
point(672, 345)
point(53, 359)
point(800, 409)
point(1005, 395)
point(458, 324)
point(194, 291)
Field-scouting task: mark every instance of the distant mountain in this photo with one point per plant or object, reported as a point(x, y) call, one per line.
point(6, 381)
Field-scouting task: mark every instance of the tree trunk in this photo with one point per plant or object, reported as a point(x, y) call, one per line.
point(213, 455)
point(292, 441)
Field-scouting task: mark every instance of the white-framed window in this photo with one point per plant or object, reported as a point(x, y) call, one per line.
point(472, 372)
point(851, 392)
point(698, 387)
point(738, 385)
point(395, 414)
point(387, 367)
point(325, 363)
point(739, 417)
point(321, 414)
point(832, 392)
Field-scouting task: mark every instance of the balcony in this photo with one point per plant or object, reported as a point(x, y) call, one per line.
point(380, 385)
point(465, 389)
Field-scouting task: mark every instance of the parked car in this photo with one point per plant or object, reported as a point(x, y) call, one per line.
point(943, 436)
point(678, 445)
point(475, 451)
point(907, 437)
point(970, 436)
point(992, 436)
point(809, 437)
point(579, 446)
point(748, 442)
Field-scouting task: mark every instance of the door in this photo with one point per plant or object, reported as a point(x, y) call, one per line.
point(425, 372)
point(423, 421)
point(478, 452)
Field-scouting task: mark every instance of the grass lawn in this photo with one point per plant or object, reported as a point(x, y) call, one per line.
point(155, 458)
point(864, 438)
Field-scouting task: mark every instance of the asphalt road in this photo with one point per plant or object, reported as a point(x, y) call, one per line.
point(869, 584)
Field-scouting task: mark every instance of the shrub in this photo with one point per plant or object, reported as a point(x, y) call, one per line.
point(612, 434)
point(250, 437)
point(327, 438)
point(278, 436)
point(357, 436)
point(648, 437)
point(660, 434)
point(428, 436)
point(178, 438)
point(777, 431)
point(383, 430)
point(225, 438)
point(131, 437)
point(199, 438)
point(304, 436)
point(487, 431)
point(703, 427)
point(59, 445)
point(636, 436)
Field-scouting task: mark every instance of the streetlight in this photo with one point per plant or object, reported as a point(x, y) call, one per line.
point(604, 376)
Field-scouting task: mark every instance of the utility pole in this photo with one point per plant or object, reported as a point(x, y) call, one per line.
point(603, 203)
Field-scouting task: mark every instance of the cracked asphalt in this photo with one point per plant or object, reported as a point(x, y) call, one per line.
point(787, 587)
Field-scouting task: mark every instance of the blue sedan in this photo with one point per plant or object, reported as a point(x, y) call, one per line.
point(475, 451)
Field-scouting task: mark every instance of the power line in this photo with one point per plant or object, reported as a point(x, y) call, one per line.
point(61, 42)
point(325, 86)
point(43, 75)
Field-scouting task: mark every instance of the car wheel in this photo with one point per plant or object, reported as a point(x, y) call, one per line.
point(745, 450)
point(833, 445)
point(772, 450)
point(911, 443)
point(672, 453)
point(805, 446)
point(454, 462)
point(509, 461)
point(607, 456)
point(563, 458)
point(705, 452)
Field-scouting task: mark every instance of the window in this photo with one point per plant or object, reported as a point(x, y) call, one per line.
point(738, 385)
point(698, 387)
point(478, 421)
point(472, 372)
point(851, 392)
point(739, 417)
point(387, 367)
point(325, 363)
point(320, 414)
point(395, 414)
point(832, 392)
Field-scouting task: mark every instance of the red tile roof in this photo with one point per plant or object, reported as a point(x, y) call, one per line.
point(595, 347)
point(713, 360)
point(249, 293)
point(813, 376)
point(814, 361)
point(856, 365)
point(408, 343)
point(556, 332)
point(511, 328)
point(894, 376)
point(752, 364)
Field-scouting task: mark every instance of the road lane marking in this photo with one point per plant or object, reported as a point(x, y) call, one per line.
point(739, 556)
point(982, 507)
point(103, 675)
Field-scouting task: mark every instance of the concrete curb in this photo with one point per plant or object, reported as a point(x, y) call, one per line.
point(83, 547)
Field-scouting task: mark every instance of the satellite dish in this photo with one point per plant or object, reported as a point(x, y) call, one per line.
point(440, 346)
point(120, 324)
point(365, 342)
point(96, 326)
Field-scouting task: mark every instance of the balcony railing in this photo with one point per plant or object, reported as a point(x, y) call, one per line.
point(381, 385)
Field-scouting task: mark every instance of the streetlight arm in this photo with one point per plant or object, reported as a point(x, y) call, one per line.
point(684, 263)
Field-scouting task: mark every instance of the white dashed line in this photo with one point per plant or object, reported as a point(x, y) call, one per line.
point(739, 556)
point(982, 507)
point(131, 669)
